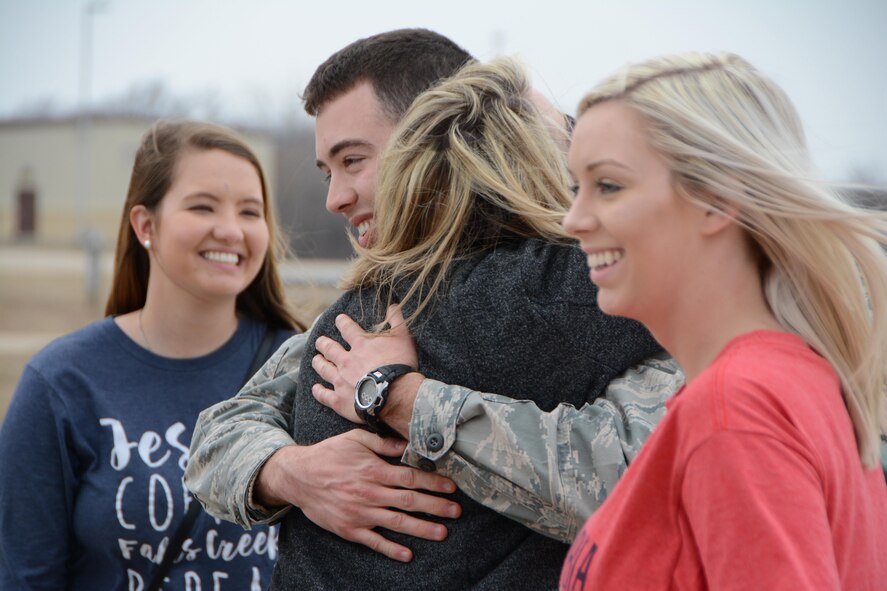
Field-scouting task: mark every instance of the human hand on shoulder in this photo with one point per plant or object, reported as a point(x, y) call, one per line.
point(344, 368)
point(342, 485)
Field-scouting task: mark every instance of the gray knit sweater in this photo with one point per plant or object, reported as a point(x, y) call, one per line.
point(520, 320)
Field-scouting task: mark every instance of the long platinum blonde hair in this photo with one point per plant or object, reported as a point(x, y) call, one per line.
point(470, 165)
point(733, 140)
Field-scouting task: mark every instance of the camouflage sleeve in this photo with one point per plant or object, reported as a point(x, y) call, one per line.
point(234, 438)
point(546, 470)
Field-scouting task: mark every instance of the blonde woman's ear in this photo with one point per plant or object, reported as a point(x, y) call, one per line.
point(719, 213)
point(717, 219)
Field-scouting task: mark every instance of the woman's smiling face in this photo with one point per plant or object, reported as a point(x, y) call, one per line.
point(636, 231)
point(210, 236)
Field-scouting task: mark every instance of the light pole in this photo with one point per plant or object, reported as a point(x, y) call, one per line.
point(88, 236)
point(84, 121)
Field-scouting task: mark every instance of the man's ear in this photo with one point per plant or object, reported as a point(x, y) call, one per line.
point(142, 222)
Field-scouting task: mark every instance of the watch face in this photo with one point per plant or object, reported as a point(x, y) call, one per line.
point(366, 392)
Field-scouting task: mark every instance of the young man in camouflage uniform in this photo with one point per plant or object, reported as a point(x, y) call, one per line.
point(244, 461)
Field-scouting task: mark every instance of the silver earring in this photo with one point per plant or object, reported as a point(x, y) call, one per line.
point(147, 244)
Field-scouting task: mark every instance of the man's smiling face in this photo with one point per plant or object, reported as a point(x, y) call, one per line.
point(351, 132)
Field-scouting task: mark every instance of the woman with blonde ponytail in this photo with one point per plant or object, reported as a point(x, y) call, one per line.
point(474, 168)
point(467, 240)
point(700, 218)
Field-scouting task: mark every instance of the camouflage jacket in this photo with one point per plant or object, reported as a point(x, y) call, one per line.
point(233, 438)
point(546, 470)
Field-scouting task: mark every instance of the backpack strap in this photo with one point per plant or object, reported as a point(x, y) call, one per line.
point(262, 354)
point(175, 545)
point(194, 509)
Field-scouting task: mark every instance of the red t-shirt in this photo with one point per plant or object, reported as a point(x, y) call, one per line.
point(752, 481)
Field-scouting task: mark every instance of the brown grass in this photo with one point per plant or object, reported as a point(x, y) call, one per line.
point(43, 296)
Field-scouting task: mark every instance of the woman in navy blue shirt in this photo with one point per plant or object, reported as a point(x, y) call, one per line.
point(96, 438)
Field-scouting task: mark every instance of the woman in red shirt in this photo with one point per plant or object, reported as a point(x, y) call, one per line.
point(696, 209)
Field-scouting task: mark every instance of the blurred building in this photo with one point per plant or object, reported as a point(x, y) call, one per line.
point(58, 178)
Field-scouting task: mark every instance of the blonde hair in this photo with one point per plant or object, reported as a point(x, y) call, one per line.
point(733, 139)
point(469, 166)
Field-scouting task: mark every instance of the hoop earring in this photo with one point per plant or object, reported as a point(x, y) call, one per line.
point(147, 244)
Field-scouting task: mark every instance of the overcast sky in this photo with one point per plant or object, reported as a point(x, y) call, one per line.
point(254, 56)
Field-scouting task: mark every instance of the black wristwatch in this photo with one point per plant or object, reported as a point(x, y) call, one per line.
point(371, 393)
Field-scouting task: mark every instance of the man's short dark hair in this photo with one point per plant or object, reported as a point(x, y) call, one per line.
point(400, 65)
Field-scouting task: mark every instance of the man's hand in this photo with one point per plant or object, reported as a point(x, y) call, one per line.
point(342, 485)
point(343, 368)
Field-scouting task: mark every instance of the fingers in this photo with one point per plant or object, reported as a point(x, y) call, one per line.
point(375, 494)
point(394, 317)
point(383, 446)
point(331, 349)
point(391, 508)
point(410, 525)
point(418, 502)
point(413, 478)
point(327, 370)
point(341, 404)
point(405, 477)
point(399, 328)
point(378, 543)
point(401, 523)
point(351, 331)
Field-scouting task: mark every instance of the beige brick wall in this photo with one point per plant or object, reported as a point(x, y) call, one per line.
point(53, 153)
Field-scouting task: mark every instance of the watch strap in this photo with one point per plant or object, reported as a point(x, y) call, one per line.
point(389, 373)
point(382, 375)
